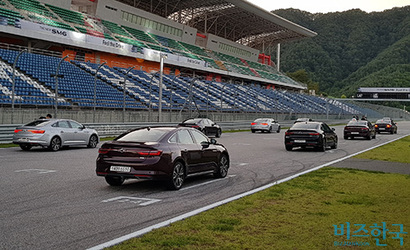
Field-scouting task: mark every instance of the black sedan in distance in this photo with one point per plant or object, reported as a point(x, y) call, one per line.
point(384, 125)
point(169, 154)
point(204, 125)
point(362, 128)
point(310, 134)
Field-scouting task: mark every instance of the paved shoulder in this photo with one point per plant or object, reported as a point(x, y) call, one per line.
point(374, 165)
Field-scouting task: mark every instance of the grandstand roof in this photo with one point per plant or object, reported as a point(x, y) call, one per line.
point(236, 20)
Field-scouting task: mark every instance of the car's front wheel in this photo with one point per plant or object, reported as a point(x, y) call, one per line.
point(177, 177)
point(223, 167)
point(114, 180)
point(25, 147)
point(55, 144)
point(92, 143)
point(218, 133)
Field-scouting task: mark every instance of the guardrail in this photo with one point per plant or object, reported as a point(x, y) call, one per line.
point(114, 129)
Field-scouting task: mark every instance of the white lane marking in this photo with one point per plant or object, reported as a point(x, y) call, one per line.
point(135, 200)
point(206, 183)
point(40, 171)
point(219, 203)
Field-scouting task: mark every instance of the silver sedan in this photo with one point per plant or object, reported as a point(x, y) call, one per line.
point(54, 134)
point(265, 124)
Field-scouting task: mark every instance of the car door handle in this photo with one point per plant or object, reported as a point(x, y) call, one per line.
point(62, 132)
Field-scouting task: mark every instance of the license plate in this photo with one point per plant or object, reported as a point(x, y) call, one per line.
point(381, 128)
point(355, 133)
point(120, 169)
point(300, 141)
point(23, 139)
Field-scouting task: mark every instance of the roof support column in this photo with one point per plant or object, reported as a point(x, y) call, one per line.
point(278, 58)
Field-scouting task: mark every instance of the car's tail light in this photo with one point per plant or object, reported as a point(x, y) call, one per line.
point(104, 151)
point(288, 133)
point(388, 125)
point(265, 124)
point(36, 131)
point(376, 126)
point(253, 123)
point(195, 126)
point(17, 130)
point(150, 153)
point(314, 134)
point(365, 129)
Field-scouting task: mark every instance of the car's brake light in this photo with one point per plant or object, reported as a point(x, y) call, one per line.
point(253, 123)
point(366, 129)
point(376, 126)
point(314, 134)
point(17, 130)
point(36, 131)
point(195, 126)
point(265, 124)
point(104, 151)
point(388, 125)
point(288, 133)
point(150, 153)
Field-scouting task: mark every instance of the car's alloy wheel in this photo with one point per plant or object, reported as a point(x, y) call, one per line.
point(223, 167)
point(178, 176)
point(322, 147)
point(114, 180)
point(218, 133)
point(25, 147)
point(278, 131)
point(55, 144)
point(93, 141)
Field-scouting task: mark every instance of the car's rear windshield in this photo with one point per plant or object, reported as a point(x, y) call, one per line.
point(357, 123)
point(38, 123)
point(261, 120)
point(382, 121)
point(144, 135)
point(192, 121)
point(304, 125)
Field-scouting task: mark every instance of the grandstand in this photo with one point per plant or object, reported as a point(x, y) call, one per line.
point(211, 65)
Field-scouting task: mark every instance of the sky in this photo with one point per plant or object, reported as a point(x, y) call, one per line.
point(325, 6)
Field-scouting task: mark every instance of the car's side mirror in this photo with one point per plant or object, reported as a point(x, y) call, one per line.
point(333, 129)
point(205, 144)
point(213, 141)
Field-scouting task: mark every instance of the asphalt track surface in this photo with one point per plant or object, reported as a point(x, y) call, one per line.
point(54, 200)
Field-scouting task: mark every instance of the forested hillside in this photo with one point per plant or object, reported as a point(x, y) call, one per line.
point(352, 49)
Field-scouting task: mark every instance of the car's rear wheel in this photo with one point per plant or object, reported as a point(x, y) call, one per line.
point(278, 131)
point(369, 137)
point(177, 177)
point(114, 180)
point(270, 130)
point(92, 143)
point(223, 167)
point(55, 144)
point(25, 147)
point(288, 148)
point(253, 131)
point(346, 137)
point(322, 148)
point(218, 133)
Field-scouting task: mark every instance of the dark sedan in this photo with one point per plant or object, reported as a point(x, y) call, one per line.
point(161, 153)
point(310, 134)
point(385, 125)
point(361, 128)
point(204, 125)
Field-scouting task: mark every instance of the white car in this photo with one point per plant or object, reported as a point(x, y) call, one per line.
point(265, 124)
point(54, 134)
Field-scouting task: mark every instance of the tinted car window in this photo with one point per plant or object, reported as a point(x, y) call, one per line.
point(261, 120)
point(76, 125)
point(199, 137)
point(192, 121)
point(305, 126)
point(62, 124)
point(38, 123)
point(184, 137)
point(143, 135)
point(327, 128)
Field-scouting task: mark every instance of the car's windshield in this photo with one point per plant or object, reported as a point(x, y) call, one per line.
point(357, 123)
point(304, 125)
point(144, 135)
point(38, 123)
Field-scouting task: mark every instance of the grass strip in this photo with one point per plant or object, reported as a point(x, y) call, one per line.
point(298, 214)
point(397, 151)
